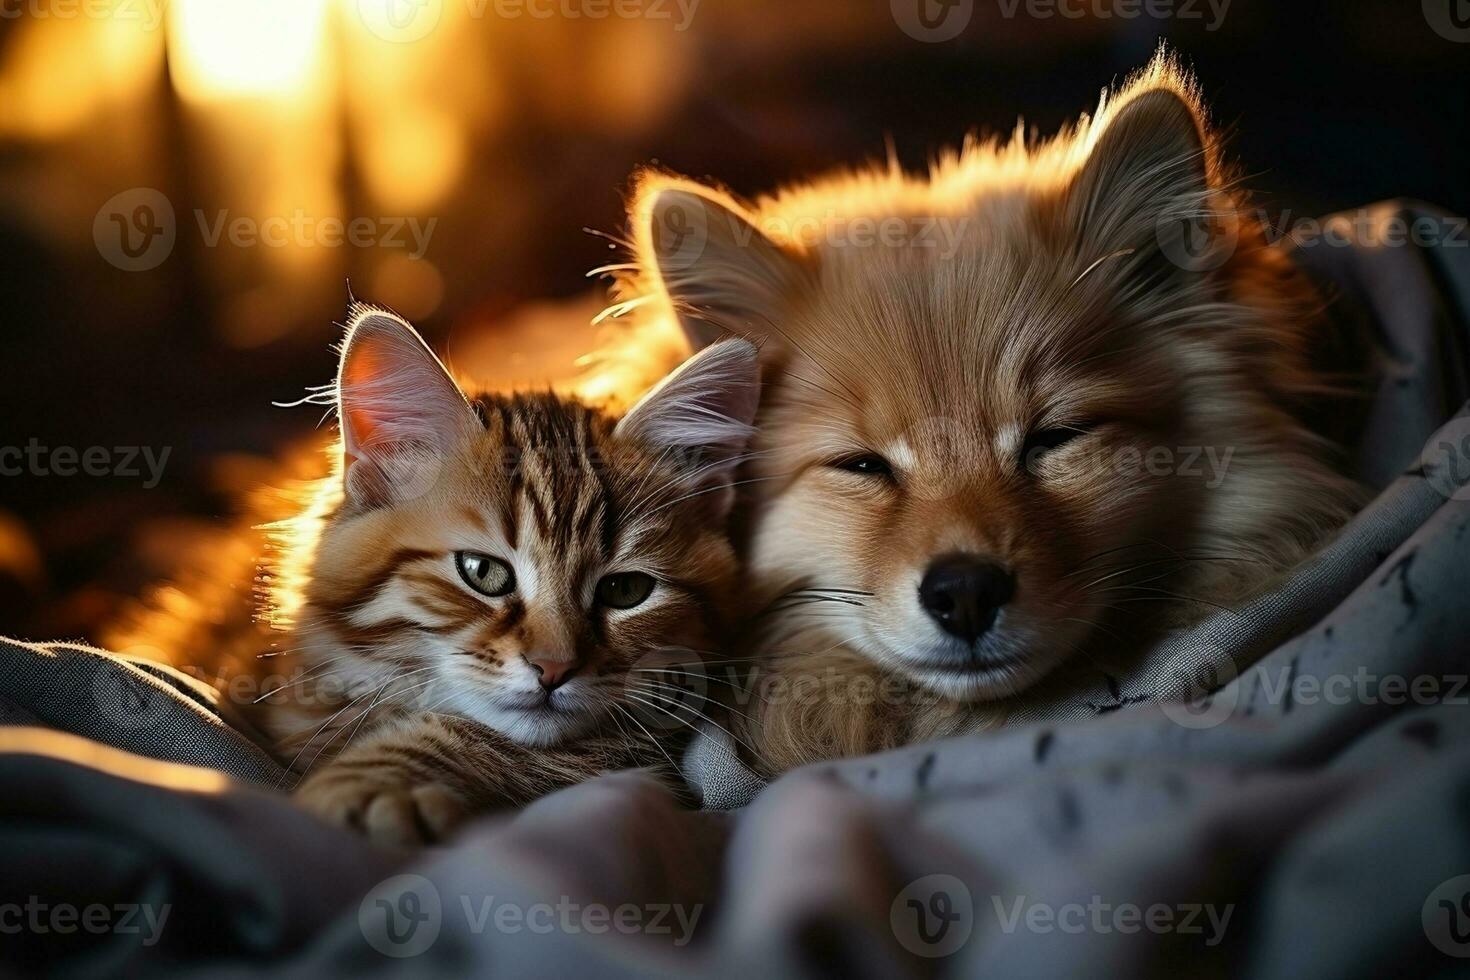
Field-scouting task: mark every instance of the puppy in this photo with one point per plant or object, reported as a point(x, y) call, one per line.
point(1039, 404)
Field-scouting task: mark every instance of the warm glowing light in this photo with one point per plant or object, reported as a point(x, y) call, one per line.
point(224, 49)
point(411, 155)
point(19, 741)
point(59, 73)
point(631, 356)
point(19, 555)
point(413, 287)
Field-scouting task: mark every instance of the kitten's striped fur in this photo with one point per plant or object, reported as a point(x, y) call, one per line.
point(411, 700)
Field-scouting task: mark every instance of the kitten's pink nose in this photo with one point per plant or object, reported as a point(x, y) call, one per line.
point(552, 674)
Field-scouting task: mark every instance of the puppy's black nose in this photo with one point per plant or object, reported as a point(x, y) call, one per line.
point(964, 592)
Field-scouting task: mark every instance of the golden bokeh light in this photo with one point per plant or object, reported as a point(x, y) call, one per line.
point(260, 48)
point(60, 73)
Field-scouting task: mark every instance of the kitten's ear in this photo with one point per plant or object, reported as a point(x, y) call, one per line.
point(705, 412)
point(401, 413)
point(722, 275)
point(1148, 186)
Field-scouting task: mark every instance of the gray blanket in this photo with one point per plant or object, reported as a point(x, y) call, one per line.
point(1309, 815)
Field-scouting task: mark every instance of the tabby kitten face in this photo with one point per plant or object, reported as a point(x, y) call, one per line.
point(512, 559)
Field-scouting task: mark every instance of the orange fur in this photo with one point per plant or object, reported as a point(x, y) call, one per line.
point(1059, 293)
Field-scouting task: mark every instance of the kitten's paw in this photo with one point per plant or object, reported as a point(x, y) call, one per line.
point(387, 812)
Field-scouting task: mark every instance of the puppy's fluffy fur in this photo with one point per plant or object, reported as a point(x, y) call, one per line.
point(1030, 340)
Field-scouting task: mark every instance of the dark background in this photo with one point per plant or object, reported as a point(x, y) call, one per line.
point(1330, 104)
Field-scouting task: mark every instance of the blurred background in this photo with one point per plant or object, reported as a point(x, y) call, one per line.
point(187, 188)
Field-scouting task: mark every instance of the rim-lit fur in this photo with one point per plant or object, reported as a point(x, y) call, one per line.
point(565, 494)
point(1058, 293)
point(412, 700)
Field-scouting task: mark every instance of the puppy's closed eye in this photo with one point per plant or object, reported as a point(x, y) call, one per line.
point(864, 464)
point(1043, 441)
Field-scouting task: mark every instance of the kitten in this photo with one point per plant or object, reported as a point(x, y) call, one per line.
point(483, 602)
point(971, 377)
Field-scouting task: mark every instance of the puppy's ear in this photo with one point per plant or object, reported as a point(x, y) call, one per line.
point(1148, 190)
point(705, 413)
point(721, 274)
point(400, 411)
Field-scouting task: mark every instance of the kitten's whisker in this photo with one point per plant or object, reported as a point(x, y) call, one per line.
point(655, 742)
point(653, 706)
point(369, 709)
point(316, 734)
point(648, 692)
point(730, 684)
point(310, 674)
point(688, 477)
point(636, 498)
point(714, 489)
point(361, 717)
point(291, 766)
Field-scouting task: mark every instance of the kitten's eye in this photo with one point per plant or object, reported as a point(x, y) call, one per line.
point(624, 591)
point(486, 575)
point(867, 464)
point(1045, 440)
